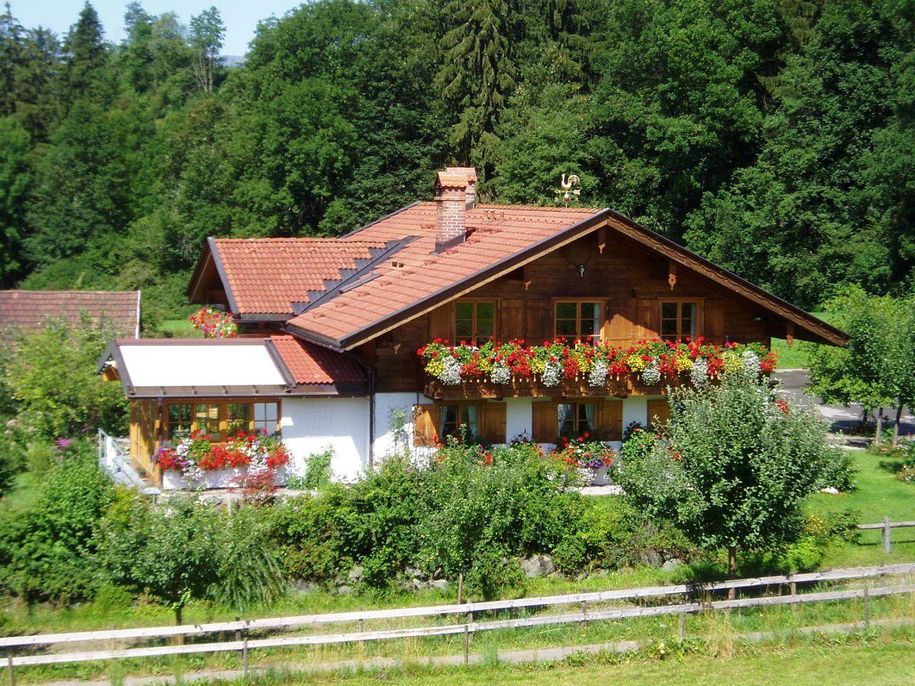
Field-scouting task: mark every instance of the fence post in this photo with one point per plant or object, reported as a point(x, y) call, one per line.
point(244, 655)
point(681, 628)
point(467, 639)
point(9, 667)
point(584, 613)
point(361, 641)
point(887, 544)
point(867, 609)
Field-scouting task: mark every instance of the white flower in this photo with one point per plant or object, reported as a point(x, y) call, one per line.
point(598, 374)
point(751, 363)
point(451, 374)
point(552, 374)
point(698, 375)
point(652, 374)
point(501, 374)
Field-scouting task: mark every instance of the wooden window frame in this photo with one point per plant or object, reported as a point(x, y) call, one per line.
point(461, 405)
point(223, 413)
point(576, 403)
point(578, 303)
point(474, 302)
point(700, 307)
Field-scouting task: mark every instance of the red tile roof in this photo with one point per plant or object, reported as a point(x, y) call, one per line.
point(311, 364)
point(495, 233)
point(31, 310)
point(267, 275)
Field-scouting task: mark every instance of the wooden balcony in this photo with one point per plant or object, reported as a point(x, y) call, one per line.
point(622, 387)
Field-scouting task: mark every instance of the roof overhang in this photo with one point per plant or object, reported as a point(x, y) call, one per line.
point(205, 368)
point(816, 329)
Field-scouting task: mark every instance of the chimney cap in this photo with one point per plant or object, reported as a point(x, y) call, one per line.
point(452, 179)
point(469, 172)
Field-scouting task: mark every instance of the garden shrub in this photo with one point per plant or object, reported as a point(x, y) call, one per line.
point(483, 507)
point(53, 381)
point(314, 534)
point(47, 551)
point(733, 466)
point(385, 507)
point(317, 470)
point(186, 550)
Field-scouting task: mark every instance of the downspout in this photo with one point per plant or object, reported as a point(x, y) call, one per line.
point(371, 418)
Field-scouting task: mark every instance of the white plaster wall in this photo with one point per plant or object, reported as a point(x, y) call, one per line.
point(310, 425)
point(519, 417)
point(635, 409)
point(386, 404)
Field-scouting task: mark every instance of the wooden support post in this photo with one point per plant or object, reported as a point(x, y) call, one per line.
point(867, 609)
point(584, 613)
point(244, 655)
point(361, 642)
point(887, 543)
point(681, 628)
point(467, 638)
point(9, 668)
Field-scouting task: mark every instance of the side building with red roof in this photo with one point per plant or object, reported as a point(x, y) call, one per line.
point(333, 326)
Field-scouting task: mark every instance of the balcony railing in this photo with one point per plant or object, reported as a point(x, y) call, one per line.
point(581, 368)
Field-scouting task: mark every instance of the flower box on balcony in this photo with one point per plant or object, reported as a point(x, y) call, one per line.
point(582, 368)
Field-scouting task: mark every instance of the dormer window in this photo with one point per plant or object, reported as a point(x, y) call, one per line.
point(474, 321)
point(578, 318)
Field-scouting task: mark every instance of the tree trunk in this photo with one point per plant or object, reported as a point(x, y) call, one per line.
point(896, 424)
point(879, 435)
point(460, 594)
point(732, 569)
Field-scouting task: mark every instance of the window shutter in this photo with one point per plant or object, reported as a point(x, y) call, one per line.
point(425, 425)
point(545, 420)
point(493, 422)
point(611, 419)
point(659, 408)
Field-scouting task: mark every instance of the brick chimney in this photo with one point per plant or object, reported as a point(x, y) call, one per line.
point(470, 173)
point(451, 189)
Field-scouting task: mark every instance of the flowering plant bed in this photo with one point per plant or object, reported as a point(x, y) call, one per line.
point(195, 455)
point(559, 361)
point(591, 458)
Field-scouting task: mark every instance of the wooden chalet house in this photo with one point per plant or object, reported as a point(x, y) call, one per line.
point(330, 328)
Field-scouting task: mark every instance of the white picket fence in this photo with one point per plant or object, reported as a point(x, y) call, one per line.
point(699, 599)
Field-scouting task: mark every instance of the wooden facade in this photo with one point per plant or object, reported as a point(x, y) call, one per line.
point(628, 281)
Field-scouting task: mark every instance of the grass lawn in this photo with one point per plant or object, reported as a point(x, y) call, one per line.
point(836, 661)
point(794, 357)
point(879, 494)
point(178, 328)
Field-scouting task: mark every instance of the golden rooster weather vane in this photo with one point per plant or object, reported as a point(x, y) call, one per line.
point(567, 188)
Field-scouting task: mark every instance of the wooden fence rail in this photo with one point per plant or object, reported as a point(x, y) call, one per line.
point(887, 526)
point(454, 609)
point(466, 628)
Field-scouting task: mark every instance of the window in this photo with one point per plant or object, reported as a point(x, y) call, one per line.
point(452, 417)
point(578, 319)
point(206, 418)
point(221, 418)
point(678, 320)
point(474, 322)
point(179, 419)
point(238, 417)
point(266, 418)
point(576, 419)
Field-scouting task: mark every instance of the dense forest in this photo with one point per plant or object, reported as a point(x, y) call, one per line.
point(774, 136)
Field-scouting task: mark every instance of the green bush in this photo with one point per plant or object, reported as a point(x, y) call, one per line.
point(385, 507)
point(186, 550)
point(481, 509)
point(47, 551)
point(734, 465)
point(317, 470)
point(314, 534)
point(53, 381)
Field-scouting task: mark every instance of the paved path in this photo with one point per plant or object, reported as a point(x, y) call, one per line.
point(844, 419)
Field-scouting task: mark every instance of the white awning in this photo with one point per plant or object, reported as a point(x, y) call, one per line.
point(197, 365)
